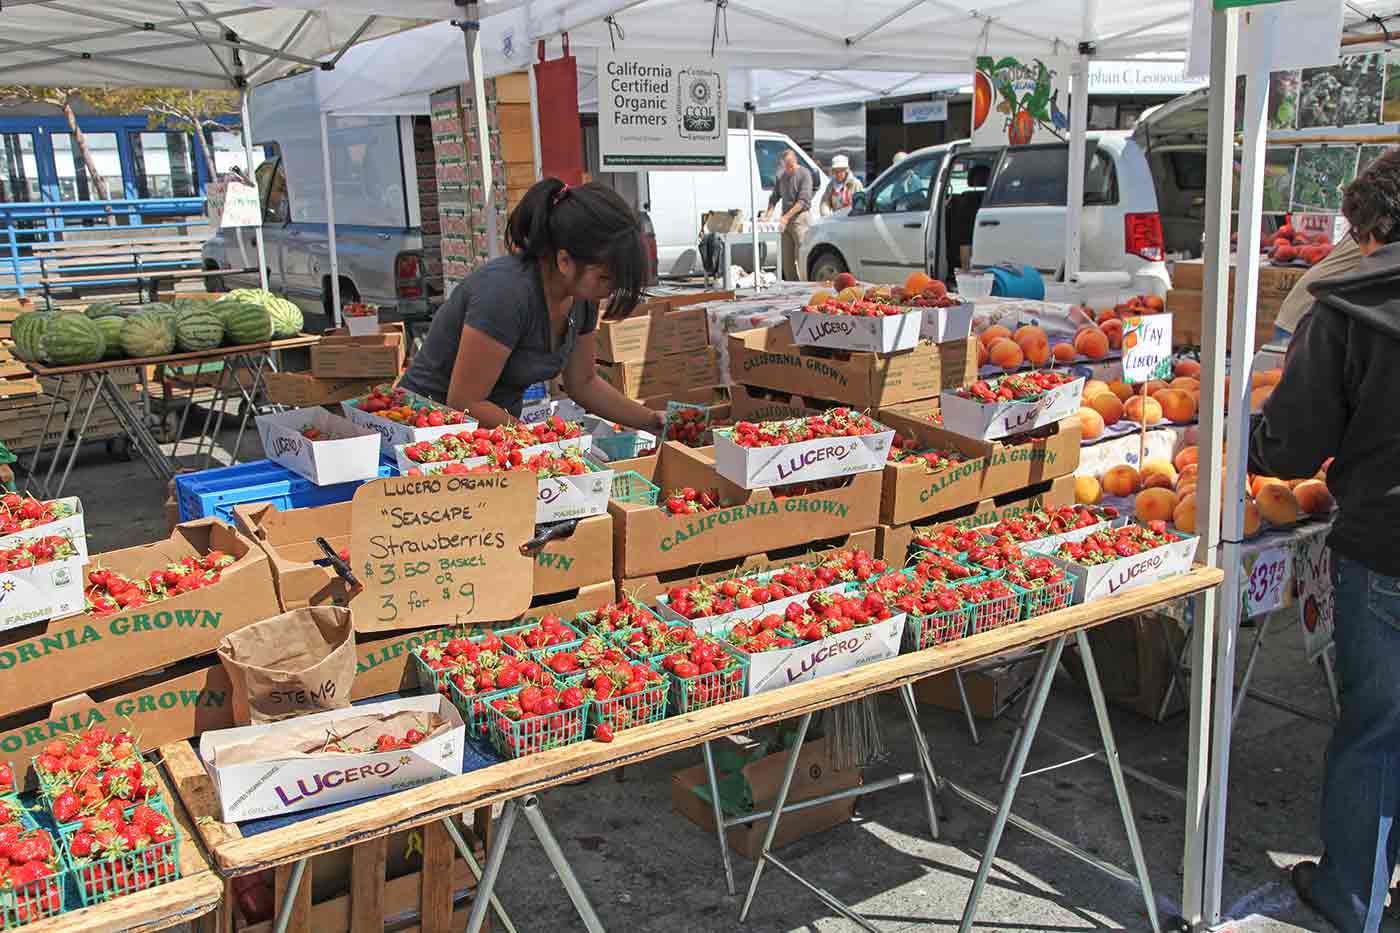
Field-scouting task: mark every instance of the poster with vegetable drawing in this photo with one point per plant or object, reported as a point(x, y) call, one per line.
point(1019, 101)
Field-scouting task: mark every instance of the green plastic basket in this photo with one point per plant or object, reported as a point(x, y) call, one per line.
point(634, 488)
point(537, 654)
point(673, 414)
point(517, 738)
point(102, 879)
point(626, 710)
point(621, 446)
point(1048, 598)
point(712, 689)
point(429, 680)
point(996, 613)
point(474, 709)
point(940, 628)
point(38, 899)
point(46, 797)
point(586, 626)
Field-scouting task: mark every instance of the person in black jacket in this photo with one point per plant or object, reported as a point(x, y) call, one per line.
point(1338, 398)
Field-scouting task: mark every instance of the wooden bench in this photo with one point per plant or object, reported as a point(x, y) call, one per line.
point(112, 261)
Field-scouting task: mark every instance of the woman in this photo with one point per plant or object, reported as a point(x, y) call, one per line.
point(526, 317)
point(843, 187)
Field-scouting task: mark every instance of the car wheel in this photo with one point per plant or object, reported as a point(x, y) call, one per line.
point(826, 266)
point(214, 283)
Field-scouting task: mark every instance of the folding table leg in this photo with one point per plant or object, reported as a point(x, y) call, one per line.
point(921, 750)
point(466, 852)
point(720, 829)
point(485, 889)
point(561, 865)
point(63, 435)
point(1243, 690)
point(289, 897)
point(39, 444)
point(82, 428)
point(1040, 672)
point(1330, 670)
point(966, 706)
point(1178, 669)
point(778, 803)
point(137, 428)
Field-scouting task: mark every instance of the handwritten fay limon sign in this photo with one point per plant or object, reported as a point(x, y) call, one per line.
point(1147, 348)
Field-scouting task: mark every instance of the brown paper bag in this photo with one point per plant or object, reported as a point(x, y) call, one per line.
point(300, 662)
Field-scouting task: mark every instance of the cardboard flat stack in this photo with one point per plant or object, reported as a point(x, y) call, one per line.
point(1184, 301)
point(22, 415)
point(661, 350)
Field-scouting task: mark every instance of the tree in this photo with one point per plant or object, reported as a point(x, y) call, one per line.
point(181, 109)
point(63, 98)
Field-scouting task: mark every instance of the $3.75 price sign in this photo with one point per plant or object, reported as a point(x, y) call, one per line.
point(1147, 348)
point(442, 550)
point(1269, 571)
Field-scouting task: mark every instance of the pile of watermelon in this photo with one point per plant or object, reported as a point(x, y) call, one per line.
point(116, 331)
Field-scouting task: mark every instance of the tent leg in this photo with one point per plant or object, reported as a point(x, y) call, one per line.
point(1078, 128)
point(330, 218)
point(752, 157)
point(535, 145)
point(248, 156)
point(471, 34)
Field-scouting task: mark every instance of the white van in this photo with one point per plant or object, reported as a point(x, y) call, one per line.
point(674, 201)
point(1007, 204)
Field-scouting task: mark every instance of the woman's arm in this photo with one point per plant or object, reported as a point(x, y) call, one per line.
point(478, 366)
point(598, 397)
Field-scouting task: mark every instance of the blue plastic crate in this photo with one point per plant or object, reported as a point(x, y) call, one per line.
point(537, 391)
point(214, 493)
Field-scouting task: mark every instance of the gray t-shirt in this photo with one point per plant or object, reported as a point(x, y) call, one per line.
point(793, 188)
point(504, 299)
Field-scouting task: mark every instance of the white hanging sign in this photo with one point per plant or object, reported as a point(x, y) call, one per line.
point(1266, 574)
point(926, 111)
point(1019, 101)
point(1313, 571)
point(1147, 348)
point(661, 111)
point(232, 204)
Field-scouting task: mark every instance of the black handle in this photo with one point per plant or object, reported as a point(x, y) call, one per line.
point(913, 226)
point(553, 532)
point(339, 566)
point(989, 223)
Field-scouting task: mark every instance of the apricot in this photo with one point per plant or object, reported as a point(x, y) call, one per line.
point(1035, 346)
point(1159, 466)
point(1187, 368)
point(1313, 497)
point(821, 296)
point(1092, 343)
point(1006, 354)
point(1154, 303)
point(1065, 353)
point(1091, 423)
point(1143, 411)
point(1094, 387)
point(1186, 488)
point(1176, 405)
point(1087, 490)
point(1256, 483)
point(917, 282)
point(1184, 515)
point(1152, 386)
point(1121, 480)
point(1155, 504)
point(1251, 518)
point(1122, 390)
point(1113, 330)
point(994, 333)
point(1187, 471)
point(982, 355)
point(1186, 456)
point(1277, 504)
point(850, 295)
point(1108, 407)
point(1157, 481)
point(1185, 383)
point(1259, 396)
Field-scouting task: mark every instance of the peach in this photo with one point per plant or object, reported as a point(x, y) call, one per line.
point(1154, 303)
point(1027, 330)
point(1184, 515)
point(1091, 423)
point(1157, 481)
point(1152, 387)
point(994, 333)
point(1087, 490)
point(1251, 518)
point(1187, 471)
point(1155, 504)
point(1094, 387)
point(1186, 487)
point(1269, 377)
point(1121, 480)
point(821, 296)
point(1185, 382)
point(917, 282)
point(1187, 368)
point(1186, 456)
point(982, 355)
point(1122, 390)
point(1065, 353)
point(1036, 348)
point(1143, 411)
point(1277, 504)
point(1108, 407)
point(1006, 354)
point(1113, 330)
point(1176, 405)
point(1163, 467)
point(1092, 342)
point(1257, 483)
point(1313, 497)
point(1259, 396)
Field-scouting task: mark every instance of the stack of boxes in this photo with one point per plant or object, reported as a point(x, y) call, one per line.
point(1185, 299)
point(661, 352)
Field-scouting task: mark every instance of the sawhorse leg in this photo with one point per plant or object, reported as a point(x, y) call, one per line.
point(1039, 694)
point(466, 852)
point(289, 899)
point(485, 890)
point(49, 489)
point(44, 433)
point(137, 427)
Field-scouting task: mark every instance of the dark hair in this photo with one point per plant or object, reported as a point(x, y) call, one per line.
point(1371, 204)
point(593, 224)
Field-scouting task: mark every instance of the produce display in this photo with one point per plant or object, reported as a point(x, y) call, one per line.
point(820, 616)
point(1292, 248)
point(31, 882)
point(505, 446)
point(397, 404)
point(1019, 388)
point(688, 424)
point(918, 291)
point(837, 422)
point(620, 616)
point(689, 501)
point(1102, 547)
point(37, 552)
point(109, 592)
point(858, 308)
point(1041, 523)
point(908, 450)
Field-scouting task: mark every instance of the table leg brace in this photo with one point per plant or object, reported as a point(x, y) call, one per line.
point(466, 852)
point(289, 898)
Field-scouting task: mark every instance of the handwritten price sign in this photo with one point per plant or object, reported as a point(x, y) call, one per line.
point(1264, 590)
point(1315, 599)
point(1147, 348)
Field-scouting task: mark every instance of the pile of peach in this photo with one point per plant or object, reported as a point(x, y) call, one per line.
point(1107, 403)
point(999, 346)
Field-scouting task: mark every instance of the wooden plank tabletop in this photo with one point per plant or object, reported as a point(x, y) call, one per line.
point(196, 893)
point(179, 359)
point(235, 855)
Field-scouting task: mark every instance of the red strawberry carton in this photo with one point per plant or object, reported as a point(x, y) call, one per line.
point(468, 444)
point(713, 623)
point(868, 327)
point(325, 448)
point(388, 413)
point(841, 442)
point(333, 757)
point(24, 518)
point(1131, 555)
point(991, 409)
point(1043, 530)
point(947, 324)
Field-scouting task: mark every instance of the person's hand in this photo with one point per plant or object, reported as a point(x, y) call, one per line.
point(658, 426)
point(782, 223)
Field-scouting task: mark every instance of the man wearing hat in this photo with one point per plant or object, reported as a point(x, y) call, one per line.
point(842, 188)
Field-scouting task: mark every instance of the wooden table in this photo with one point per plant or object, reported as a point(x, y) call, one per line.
point(95, 381)
point(235, 855)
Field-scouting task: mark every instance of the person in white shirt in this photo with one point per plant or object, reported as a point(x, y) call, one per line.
point(843, 187)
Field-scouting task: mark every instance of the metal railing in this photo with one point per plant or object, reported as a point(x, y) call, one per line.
point(30, 223)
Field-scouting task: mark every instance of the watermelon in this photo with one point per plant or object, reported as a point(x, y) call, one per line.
point(105, 308)
point(111, 326)
point(192, 304)
point(72, 339)
point(198, 329)
point(27, 332)
point(248, 323)
point(287, 319)
point(147, 334)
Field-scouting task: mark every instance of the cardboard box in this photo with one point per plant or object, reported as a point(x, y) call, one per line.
point(1274, 281)
point(44, 591)
point(72, 528)
point(715, 396)
point(1128, 573)
point(993, 420)
point(1185, 307)
point(294, 782)
point(393, 434)
point(767, 358)
point(80, 652)
point(945, 325)
point(350, 452)
point(813, 777)
point(654, 329)
point(340, 355)
point(803, 462)
point(773, 670)
point(302, 390)
point(288, 539)
point(749, 403)
point(990, 691)
point(649, 541)
point(893, 334)
point(893, 541)
point(663, 375)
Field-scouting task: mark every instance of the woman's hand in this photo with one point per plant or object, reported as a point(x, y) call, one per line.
point(582, 383)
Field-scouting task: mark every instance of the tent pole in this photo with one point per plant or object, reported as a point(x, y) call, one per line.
point(248, 156)
point(1078, 130)
point(752, 156)
point(1204, 858)
point(535, 150)
point(330, 218)
point(471, 34)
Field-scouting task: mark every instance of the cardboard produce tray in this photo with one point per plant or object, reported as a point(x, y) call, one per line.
point(654, 329)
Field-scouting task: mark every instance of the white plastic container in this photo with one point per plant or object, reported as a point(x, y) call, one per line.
point(990, 421)
point(352, 453)
point(803, 462)
point(891, 334)
point(72, 528)
point(772, 670)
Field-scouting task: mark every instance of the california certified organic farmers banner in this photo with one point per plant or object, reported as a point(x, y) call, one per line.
point(660, 110)
point(1019, 101)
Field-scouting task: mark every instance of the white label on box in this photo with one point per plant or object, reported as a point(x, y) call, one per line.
point(947, 325)
point(350, 453)
point(990, 421)
point(771, 670)
point(71, 528)
point(47, 591)
point(561, 498)
point(803, 462)
point(849, 332)
point(1115, 577)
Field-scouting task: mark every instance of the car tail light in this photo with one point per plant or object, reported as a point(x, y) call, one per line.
point(650, 239)
point(1142, 236)
point(408, 270)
